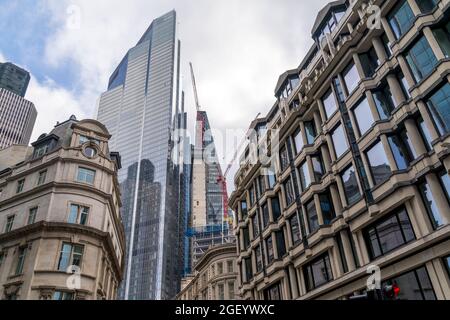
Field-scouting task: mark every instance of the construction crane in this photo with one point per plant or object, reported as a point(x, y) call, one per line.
point(223, 179)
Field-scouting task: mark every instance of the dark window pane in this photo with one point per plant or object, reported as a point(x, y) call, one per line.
point(414, 285)
point(363, 116)
point(384, 102)
point(298, 139)
point(400, 151)
point(311, 132)
point(318, 272)
point(289, 191)
point(281, 244)
point(442, 36)
point(284, 158)
point(350, 180)
point(439, 105)
point(266, 216)
point(327, 208)
point(370, 62)
point(313, 220)
point(379, 164)
point(318, 167)
point(255, 223)
point(427, 6)
point(295, 230)
point(305, 177)
point(276, 211)
point(269, 248)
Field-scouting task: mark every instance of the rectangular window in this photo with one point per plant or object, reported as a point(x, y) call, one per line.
point(305, 176)
point(86, 175)
point(289, 191)
point(384, 101)
point(318, 167)
point(425, 133)
point(248, 269)
point(430, 204)
point(389, 234)
point(78, 214)
point(329, 103)
point(272, 178)
point(9, 223)
point(244, 209)
point(370, 62)
point(61, 295)
point(339, 141)
point(231, 292)
point(351, 77)
point(21, 260)
point(221, 290)
point(42, 177)
point(445, 180)
point(401, 150)
point(414, 285)
point(284, 158)
point(219, 268)
point(262, 184)
point(266, 216)
point(311, 132)
point(251, 194)
point(326, 205)
point(426, 6)
point(269, 250)
point(276, 209)
point(298, 139)
point(421, 59)
point(32, 216)
point(318, 273)
point(342, 253)
point(70, 256)
point(273, 293)
point(281, 244)
point(255, 223)
point(379, 164)
point(258, 258)
point(386, 44)
point(295, 230)
point(246, 238)
point(351, 187)
point(403, 84)
point(20, 185)
point(401, 19)
point(230, 266)
point(439, 106)
point(442, 36)
point(313, 219)
point(363, 116)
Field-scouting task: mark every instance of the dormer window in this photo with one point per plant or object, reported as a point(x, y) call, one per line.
point(84, 139)
point(40, 151)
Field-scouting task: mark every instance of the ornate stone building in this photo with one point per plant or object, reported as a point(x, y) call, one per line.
point(360, 174)
point(215, 276)
point(61, 235)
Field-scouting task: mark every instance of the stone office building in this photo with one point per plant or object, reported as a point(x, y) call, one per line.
point(214, 277)
point(61, 234)
point(361, 170)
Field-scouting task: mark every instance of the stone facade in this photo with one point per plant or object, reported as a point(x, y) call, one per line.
point(61, 235)
point(360, 176)
point(215, 276)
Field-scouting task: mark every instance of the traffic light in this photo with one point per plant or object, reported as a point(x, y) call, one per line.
point(391, 291)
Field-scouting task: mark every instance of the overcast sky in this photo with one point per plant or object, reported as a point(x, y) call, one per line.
point(238, 48)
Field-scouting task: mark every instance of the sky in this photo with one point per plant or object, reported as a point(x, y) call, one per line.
point(238, 48)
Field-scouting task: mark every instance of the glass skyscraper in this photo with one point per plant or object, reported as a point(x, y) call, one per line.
point(142, 109)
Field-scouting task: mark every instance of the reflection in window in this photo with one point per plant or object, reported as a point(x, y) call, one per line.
point(443, 38)
point(426, 6)
point(269, 250)
point(421, 59)
point(445, 179)
point(311, 132)
point(318, 167)
point(431, 205)
point(351, 77)
point(305, 177)
point(339, 141)
point(389, 234)
point(281, 244)
point(384, 102)
point(326, 205)
point(401, 151)
point(329, 104)
point(379, 164)
point(318, 273)
point(369, 62)
point(295, 230)
point(289, 191)
point(351, 187)
point(266, 216)
point(313, 219)
point(425, 133)
point(401, 18)
point(276, 209)
point(86, 175)
point(414, 285)
point(363, 116)
point(298, 139)
point(439, 105)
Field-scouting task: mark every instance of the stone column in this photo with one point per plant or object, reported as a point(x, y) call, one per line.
point(294, 284)
point(396, 90)
point(414, 7)
point(303, 131)
point(439, 197)
point(351, 263)
point(415, 137)
point(286, 284)
point(379, 49)
point(318, 121)
point(340, 186)
point(337, 204)
point(388, 30)
point(326, 157)
point(331, 145)
point(406, 71)
point(437, 50)
point(319, 210)
point(321, 108)
point(373, 106)
point(359, 66)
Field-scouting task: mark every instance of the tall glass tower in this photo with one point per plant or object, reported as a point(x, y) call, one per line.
point(141, 109)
